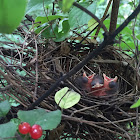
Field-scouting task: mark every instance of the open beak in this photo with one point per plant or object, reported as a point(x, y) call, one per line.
point(89, 77)
point(108, 80)
point(97, 85)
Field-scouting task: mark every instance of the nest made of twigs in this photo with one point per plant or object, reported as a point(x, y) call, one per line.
point(93, 117)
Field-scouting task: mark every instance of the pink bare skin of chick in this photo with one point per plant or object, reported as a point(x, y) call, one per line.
point(97, 85)
point(108, 87)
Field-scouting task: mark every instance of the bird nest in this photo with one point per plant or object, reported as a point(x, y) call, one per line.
point(92, 117)
point(98, 117)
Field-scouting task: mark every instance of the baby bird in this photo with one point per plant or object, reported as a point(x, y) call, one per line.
point(84, 82)
point(97, 85)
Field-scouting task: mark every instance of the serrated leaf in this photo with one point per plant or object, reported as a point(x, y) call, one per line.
point(7, 130)
point(78, 17)
point(11, 14)
point(137, 104)
point(34, 5)
point(47, 121)
point(66, 99)
point(4, 108)
point(67, 5)
point(50, 120)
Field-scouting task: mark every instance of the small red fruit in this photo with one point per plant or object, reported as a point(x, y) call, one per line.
point(24, 128)
point(36, 131)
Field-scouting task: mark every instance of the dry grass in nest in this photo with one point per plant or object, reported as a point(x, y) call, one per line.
point(43, 63)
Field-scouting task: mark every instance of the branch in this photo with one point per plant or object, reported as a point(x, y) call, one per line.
point(114, 16)
point(108, 40)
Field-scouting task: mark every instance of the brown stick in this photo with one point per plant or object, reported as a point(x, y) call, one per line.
point(114, 16)
point(103, 18)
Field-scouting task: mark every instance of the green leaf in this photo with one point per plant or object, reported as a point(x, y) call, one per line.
point(126, 30)
point(92, 24)
point(4, 108)
point(137, 104)
point(60, 36)
point(16, 121)
point(49, 32)
point(30, 116)
point(129, 45)
point(47, 19)
point(107, 23)
point(66, 99)
point(78, 17)
point(67, 5)
point(11, 14)
point(50, 120)
point(138, 36)
point(52, 31)
point(7, 130)
point(46, 120)
point(34, 5)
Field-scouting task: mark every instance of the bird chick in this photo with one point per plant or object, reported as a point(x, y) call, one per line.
point(97, 85)
point(110, 84)
point(84, 82)
point(107, 85)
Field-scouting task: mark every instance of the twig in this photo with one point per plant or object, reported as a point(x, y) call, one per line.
point(5, 88)
point(36, 68)
point(91, 123)
point(103, 18)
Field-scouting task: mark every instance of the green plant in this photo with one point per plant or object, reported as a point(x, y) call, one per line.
point(135, 105)
point(11, 14)
point(39, 118)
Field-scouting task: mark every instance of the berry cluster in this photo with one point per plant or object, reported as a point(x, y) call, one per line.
point(35, 131)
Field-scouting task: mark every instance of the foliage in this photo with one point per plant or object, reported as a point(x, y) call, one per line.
point(67, 5)
point(61, 23)
point(66, 98)
point(11, 13)
point(4, 108)
point(135, 105)
point(47, 120)
point(7, 130)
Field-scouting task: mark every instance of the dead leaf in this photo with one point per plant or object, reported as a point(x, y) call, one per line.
point(56, 133)
point(65, 49)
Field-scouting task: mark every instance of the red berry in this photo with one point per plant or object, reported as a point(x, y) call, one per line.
point(36, 131)
point(24, 128)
